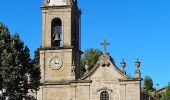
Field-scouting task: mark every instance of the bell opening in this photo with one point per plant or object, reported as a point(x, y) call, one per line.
point(56, 32)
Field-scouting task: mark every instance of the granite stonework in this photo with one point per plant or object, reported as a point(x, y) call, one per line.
point(100, 78)
point(65, 83)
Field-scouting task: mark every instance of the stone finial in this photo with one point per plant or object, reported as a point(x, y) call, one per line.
point(157, 86)
point(123, 65)
point(137, 63)
point(86, 67)
point(137, 72)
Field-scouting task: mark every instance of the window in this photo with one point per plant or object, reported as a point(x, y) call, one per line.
point(104, 95)
point(56, 32)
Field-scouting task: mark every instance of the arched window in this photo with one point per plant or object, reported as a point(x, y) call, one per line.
point(56, 32)
point(104, 95)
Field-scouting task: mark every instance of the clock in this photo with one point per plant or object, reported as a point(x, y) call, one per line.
point(56, 63)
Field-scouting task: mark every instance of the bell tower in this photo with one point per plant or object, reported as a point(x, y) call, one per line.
point(60, 53)
point(61, 21)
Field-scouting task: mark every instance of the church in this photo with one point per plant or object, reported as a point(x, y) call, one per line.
point(60, 61)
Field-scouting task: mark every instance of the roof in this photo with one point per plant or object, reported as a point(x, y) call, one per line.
point(105, 60)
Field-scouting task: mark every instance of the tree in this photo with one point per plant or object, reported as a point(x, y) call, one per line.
point(166, 94)
point(18, 72)
point(4, 43)
point(148, 84)
point(90, 57)
point(35, 71)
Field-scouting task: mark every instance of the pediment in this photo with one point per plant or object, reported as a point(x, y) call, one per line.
point(105, 69)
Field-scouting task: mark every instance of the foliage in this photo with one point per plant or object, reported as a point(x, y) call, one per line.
point(166, 94)
point(35, 71)
point(90, 57)
point(18, 72)
point(148, 84)
point(30, 98)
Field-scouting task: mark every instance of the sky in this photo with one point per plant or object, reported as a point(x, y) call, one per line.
point(134, 29)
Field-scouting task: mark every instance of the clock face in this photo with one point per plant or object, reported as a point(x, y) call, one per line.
point(56, 63)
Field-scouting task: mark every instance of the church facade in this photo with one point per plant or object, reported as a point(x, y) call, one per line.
point(60, 61)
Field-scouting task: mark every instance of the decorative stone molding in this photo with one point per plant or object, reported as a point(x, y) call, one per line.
point(104, 89)
point(104, 60)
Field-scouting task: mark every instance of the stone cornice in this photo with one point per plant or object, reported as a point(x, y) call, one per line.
point(130, 79)
point(59, 48)
point(65, 82)
point(56, 7)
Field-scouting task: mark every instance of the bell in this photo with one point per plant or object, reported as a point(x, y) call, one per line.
point(57, 37)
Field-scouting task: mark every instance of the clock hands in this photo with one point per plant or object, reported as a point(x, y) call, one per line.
point(56, 62)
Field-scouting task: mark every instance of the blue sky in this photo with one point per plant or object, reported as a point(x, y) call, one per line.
point(134, 29)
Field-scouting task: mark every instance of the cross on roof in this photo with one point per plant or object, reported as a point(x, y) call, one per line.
point(105, 44)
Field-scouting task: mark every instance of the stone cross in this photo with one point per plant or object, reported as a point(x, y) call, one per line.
point(105, 44)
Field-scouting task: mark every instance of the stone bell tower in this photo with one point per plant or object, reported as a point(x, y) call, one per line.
point(60, 53)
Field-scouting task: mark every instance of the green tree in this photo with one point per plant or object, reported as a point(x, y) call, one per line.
point(18, 72)
point(166, 94)
point(148, 84)
point(89, 57)
point(4, 43)
point(35, 71)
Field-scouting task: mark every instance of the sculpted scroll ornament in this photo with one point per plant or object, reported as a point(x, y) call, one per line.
point(104, 60)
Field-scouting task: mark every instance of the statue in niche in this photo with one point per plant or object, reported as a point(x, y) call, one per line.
point(56, 34)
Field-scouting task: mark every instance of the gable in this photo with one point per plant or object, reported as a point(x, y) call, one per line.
point(105, 69)
point(106, 73)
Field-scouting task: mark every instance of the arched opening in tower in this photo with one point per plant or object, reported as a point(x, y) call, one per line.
point(56, 32)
